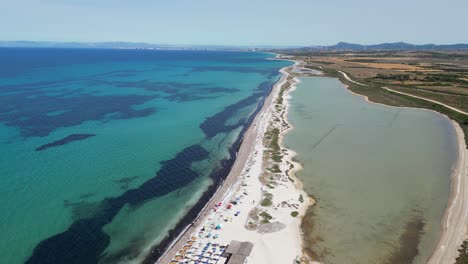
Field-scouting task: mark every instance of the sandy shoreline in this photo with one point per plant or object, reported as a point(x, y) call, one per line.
point(244, 185)
point(455, 221)
point(454, 225)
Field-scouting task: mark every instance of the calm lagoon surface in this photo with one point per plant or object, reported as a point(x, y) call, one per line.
point(104, 151)
point(380, 175)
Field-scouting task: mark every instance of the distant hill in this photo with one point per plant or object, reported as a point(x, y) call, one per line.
point(389, 46)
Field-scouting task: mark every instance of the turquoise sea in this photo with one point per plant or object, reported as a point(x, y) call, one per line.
point(104, 152)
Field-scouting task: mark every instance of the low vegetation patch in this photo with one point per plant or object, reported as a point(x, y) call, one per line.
point(272, 138)
point(463, 257)
point(301, 198)
point(284, 87)
point(275, 168)
point(267, 200)
point(294, 213)
point(252, 225)
point(266, 217)
point(253, 214)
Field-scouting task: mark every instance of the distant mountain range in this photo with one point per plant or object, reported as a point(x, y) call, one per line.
point(389, 46)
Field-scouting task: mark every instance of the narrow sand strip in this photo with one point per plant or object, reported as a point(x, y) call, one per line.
point(237, 204)
point(455, 221)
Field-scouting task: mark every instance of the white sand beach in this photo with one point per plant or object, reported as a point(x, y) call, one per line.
point(237, 212)
point(455, 222)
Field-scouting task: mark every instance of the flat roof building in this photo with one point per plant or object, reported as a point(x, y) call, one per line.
point(237, 252)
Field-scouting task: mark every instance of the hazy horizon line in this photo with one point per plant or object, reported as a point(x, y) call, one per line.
point(221, 45)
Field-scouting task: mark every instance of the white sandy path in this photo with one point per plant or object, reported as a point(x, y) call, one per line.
point(351, 80)
point(425, 99)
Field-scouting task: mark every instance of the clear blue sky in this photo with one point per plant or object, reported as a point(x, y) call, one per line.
point(236, 22)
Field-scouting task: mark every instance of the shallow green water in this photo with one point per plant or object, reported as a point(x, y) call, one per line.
point(380, 174)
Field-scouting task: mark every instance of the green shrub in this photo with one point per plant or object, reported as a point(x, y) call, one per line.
point(275, 169)
point(463, 256)
point(267, 200)
point(301, 198)
point(266, 217)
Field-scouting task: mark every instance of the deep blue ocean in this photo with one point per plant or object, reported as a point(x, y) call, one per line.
point(105, 152)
